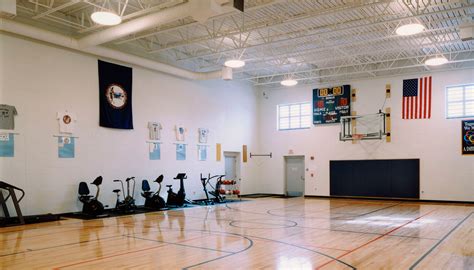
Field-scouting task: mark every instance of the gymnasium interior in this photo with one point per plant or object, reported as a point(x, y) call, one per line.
point(237, 134)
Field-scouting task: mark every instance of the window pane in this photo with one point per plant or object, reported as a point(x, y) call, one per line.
point(284, 123)
point(306, 121)
point(469, 108)
point(469, 92)
point(294, 122)
point(295, 110)
point(284, 111)
point(455, 94)
point(455, 109)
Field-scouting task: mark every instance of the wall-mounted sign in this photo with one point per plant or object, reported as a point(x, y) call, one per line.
point(467, 137)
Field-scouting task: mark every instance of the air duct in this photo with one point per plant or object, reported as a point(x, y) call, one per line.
point(10, 26)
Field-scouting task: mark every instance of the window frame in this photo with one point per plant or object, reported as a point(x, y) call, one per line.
point(463, 101)
point(289, 116)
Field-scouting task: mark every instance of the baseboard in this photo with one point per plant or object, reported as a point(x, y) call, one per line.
point(388, 199)
point(262, 195)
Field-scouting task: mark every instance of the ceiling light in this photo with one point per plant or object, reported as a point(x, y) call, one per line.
point(234, 63)
point(289, 82)
point(436, 61)
point(410, 29)
point(106, 18)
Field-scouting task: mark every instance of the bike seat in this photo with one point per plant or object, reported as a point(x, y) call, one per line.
point(97, 181)
point(145, 185)
point(83, 189)
point(180, 176)
point(169, 185)
point(116, 190)
point(159, 179)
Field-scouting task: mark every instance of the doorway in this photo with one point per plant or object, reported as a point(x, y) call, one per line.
point(232, 165)
point(294, 170)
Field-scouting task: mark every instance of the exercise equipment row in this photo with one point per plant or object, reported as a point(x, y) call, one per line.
point(94, 208)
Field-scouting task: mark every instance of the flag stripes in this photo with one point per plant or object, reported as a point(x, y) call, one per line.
point(416, 102)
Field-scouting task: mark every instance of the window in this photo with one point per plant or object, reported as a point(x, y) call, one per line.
point(294, 116)
point(460, 101)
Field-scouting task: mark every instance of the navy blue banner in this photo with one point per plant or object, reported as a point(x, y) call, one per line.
point(115, 89)
point(329, 104)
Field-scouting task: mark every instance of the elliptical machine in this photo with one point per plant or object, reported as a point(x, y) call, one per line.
point(91, 205)
point(177, 199)
point(153, 200)
point(128, 203)
point(218, 198)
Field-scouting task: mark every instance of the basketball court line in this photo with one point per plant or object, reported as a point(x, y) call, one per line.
point(225, 256)
point(141, 222)
point(179, 243)
point(34, 236)
point(263, 223)
point(107, 257)
point(248, 237)
point(63, 245)
point(371, 233)
point(414, 265)
point(305, 248)
point(375, 239)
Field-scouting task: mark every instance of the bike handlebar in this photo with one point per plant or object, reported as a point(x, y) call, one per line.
point(4, 185)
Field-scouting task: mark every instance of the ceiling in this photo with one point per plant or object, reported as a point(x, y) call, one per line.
point(312, 41)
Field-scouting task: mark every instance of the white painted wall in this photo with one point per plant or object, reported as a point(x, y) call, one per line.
point(445, 173)
point(41, 80)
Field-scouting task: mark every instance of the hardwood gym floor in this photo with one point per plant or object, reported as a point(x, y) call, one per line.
point(267, 233)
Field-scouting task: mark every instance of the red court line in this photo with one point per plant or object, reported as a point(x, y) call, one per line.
point(375, 239)
point(330, 248)
point(110, 256)
point(39, 235)
point(125, 253)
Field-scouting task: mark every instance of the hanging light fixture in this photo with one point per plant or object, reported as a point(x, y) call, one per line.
point(409, 29)
point(106, 18)
point(289, 82)
point(234, 63)
point(436, 61)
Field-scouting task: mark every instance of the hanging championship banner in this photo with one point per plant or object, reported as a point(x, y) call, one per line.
point(467, 137)
point(329, 104)
point(115, 88)
point(7, 145)
point(66, 147)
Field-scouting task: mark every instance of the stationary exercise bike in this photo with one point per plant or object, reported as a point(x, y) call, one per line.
point(177, 199)
point(153, 200)
point(128, 203)
point(91, 205)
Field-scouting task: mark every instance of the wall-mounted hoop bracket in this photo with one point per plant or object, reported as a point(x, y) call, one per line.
point(261, 155)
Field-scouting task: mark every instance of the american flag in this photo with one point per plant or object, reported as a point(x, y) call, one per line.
point(417, 98)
